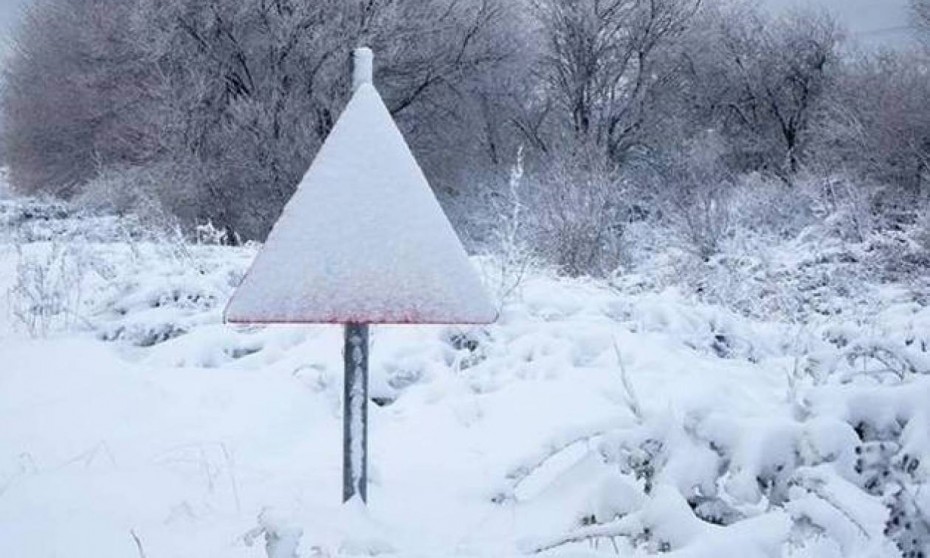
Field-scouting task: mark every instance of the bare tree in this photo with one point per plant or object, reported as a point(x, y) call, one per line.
point(884, 136)
point(599, 63)
point(764, 82)
point(920, 12)
point(697, 202)
point(74, 88)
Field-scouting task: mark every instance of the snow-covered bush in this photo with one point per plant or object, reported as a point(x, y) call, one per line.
point(837, 470)
point(111, 275)
point(139, 191)
point(210, 235)
point(27, 220)
point(578, 216)
point(281, 541)
point(849, 471)
point(922, 230)
point(771, 208)
point(47, 293)
point(119, 190)
point(847, 206)
point(30, 220)
point(696, 195)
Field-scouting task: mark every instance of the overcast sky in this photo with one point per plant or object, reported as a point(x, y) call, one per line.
point(871, 21)
point(9, 14)
point(874, 22)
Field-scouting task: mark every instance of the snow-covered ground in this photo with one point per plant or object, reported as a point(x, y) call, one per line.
point(592, 420)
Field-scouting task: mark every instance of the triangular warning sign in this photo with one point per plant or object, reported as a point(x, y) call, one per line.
point(363, 240)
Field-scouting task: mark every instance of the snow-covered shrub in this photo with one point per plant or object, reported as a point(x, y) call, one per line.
point(4, 177)
point(901, 251)
point(465, 347)
point(691, 473)
point(31, 220)
point(161, 296)
point(117, 190)
point(770, 208)
point(133, 190)
point(845, 470)
point(922, 230)
point(15, 213)
point(579, 214)
point(846, 206)
point(210, 235)
point(767, 248)
point(893, 433)
point(47, 293)
point(696, 196)
point(889, 470)
point(114, 275)
point(281, 540)
point(895, 349)
point(740, 276)
point(40, 220)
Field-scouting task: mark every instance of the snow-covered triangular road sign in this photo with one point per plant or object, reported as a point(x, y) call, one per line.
point(363, 240)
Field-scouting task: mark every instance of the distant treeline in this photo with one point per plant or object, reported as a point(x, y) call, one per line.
point(213, 109)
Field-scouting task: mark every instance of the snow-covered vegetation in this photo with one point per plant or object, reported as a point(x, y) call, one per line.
point(599, 417)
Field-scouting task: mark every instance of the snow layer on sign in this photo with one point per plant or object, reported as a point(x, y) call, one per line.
point(363, 239)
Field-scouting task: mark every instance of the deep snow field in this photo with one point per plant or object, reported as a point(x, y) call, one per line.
point(593, 420)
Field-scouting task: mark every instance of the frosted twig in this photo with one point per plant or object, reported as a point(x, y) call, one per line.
point(622, 527)
point(519, 474)
point(231, 468)
point(632, 400)
point(138, 542)
point(817, 489)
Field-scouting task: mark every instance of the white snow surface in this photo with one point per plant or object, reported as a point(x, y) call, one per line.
point(588, 422)
point(363, 239)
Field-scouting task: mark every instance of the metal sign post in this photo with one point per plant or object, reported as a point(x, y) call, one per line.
point(355, 414)
point(355, 355)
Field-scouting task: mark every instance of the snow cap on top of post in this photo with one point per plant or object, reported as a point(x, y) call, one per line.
point(363, 60)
